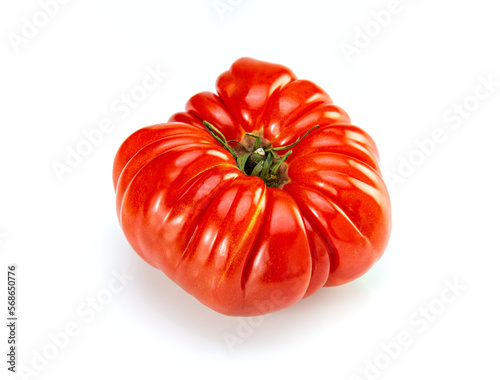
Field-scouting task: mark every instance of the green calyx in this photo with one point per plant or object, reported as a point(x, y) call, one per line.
point(258, 160)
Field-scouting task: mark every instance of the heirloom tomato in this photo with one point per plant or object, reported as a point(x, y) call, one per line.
point(256, 196)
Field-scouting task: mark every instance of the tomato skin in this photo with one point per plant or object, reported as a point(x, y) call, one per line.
point(239, 247)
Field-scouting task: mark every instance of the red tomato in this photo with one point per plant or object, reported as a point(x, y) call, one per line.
point(313, 214)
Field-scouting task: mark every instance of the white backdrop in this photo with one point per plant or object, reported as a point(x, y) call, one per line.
point(422, 77)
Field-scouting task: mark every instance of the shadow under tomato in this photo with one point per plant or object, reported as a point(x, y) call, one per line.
point(159, 303)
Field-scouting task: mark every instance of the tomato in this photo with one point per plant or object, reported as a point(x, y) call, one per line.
point(254, 197)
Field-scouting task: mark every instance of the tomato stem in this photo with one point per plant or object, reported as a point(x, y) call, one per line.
point(219, 136)
point(262, 161)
